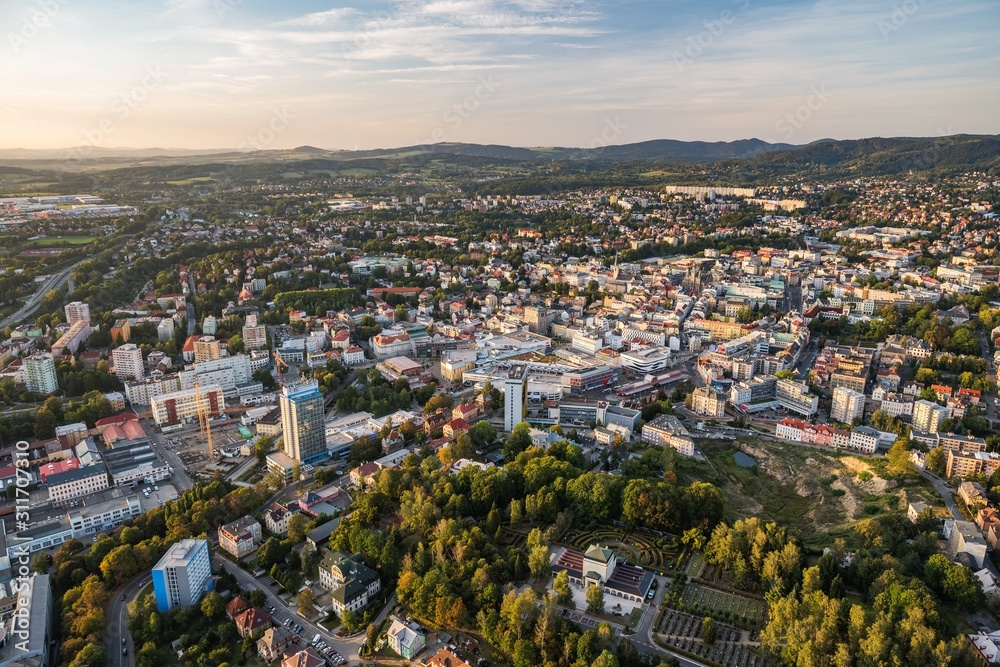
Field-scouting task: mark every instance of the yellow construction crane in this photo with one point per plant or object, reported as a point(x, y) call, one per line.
point(204, 422)
point(278, 363)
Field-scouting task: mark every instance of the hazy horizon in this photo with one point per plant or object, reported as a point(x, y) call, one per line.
point(242, 74)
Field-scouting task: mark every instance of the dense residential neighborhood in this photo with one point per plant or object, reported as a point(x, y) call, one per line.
point(657, 424)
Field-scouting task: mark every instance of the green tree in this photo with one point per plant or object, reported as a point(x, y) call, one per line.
point(305, 601)
point(257, 598)
point(899, 459)
point(235, 344)
point(538, 562)
point(270, 553)
point(262, 446)
point(708, 630)
point(297, 528)
point(595, 599)
point(45, 424)
point(519, 440)
point(90, 655)
point(560, 584)
point(212, 605)
point(937, 460)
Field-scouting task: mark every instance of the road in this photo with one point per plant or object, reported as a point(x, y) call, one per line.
point(945, 492)
point(115, 628)
point(345, 646)
point(31, 305)
point(182, 482)
point(989, 398)
point(808, 360)
point(643, 637)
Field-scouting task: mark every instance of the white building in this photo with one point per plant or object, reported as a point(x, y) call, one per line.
point(354, 355)
point(350, 582)
point(70, 484)
point(865, 439)
point(240, 537)
point(182, 406)
point(646, 360)
point(77, 312)
point(127, 362)
point(391, 344)
point(667, 431)
point(40, 374)
point(927, 416)
point(254, 336)
point(165, 329)
point(232, 374)
point(788, 431)
point(104, 516)
point(182, 575)
point(848, 405)
point(141, 392)
point(515, 396)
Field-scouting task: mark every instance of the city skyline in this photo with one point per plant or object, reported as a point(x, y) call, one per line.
point(217, 74)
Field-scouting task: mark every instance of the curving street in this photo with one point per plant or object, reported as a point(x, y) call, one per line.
point(31, 305)
point(117, 616)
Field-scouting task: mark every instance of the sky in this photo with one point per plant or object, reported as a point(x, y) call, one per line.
point(255, 75)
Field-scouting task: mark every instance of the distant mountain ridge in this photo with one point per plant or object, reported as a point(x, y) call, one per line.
point(753, 158)
point(670, 150)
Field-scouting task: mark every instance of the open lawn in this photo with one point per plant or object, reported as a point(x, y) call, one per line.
point(192, 180)
point(59, 241)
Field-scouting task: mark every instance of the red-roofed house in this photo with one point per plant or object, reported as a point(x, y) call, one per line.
point(306, 658)
point(130, 430)
point(187, 352)
point(57, 467)
point(354, 355)
point(236, 606)
point(253, 622)
point(341, 340)
point(114, 420)
point(456, 427)
point(466, 411)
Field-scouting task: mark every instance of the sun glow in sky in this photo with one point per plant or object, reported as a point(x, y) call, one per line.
point(232, 73)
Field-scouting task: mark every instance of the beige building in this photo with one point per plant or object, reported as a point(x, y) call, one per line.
point(207, 348)
point(241, 537)
point(182, 406)
point(66, 486)
point(706, 402)
point(964, 464)
point(848, 405)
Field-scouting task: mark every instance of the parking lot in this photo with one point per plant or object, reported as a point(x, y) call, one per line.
point(159, 493)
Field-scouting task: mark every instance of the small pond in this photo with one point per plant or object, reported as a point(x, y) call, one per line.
point(744, 460)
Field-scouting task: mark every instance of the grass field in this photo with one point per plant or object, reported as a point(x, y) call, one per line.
point(192, 181)
point(59, 241)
